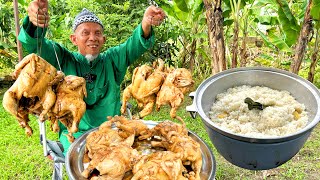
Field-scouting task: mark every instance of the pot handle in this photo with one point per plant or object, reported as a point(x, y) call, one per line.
point(192, 108)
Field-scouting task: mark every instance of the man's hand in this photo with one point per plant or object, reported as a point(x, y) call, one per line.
point(153, 16)
point(38, 13)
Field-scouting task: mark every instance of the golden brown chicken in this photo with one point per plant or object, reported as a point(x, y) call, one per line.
point(102, 138)
point(174, 138)
point(128, 127)
point(69, 106)
point(172, 91)
point(164, 165)
point(32, 92)
point(167, 129)
point(146, 82)
point(187, 150)
point(107, 136)
point(113, 162)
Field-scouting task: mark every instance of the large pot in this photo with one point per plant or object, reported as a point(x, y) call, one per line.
point(256, 153)
point(74, 164)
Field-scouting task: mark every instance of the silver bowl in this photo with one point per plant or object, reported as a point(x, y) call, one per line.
point(248, 152)
point(74, 164)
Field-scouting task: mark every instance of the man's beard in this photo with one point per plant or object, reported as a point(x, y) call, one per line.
point(91, 57)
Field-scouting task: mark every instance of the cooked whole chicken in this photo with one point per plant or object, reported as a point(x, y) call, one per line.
point(164, 165)
point(146, 82)
point(187, 149)
point(166, 151)
point(167, 129)
point(32, 92)
point(69, 106)
point(103, 138)
point(172, 91)
point(112, 162)
point(128, 127)
point(174, 138)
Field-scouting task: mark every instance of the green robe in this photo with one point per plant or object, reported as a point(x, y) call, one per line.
point(110, 67)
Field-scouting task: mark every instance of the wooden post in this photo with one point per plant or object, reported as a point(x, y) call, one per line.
point(16, 18)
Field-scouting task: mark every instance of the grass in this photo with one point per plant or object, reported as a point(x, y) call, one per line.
point(21, 157)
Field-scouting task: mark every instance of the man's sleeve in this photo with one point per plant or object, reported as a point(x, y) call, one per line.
point(33, 41)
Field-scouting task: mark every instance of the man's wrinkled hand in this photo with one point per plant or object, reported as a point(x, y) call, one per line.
point(154, 16)
point(38, 13)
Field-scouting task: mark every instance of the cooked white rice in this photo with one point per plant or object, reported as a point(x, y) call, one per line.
point(283, 116)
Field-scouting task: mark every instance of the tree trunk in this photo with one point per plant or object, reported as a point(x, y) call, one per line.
point(314, 59)
point(215, 33)
point(184, 52)
point(243, 50)
point(192, 54)
point(302, 41)
point(235, 44)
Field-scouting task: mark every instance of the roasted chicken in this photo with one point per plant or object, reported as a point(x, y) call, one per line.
point(128, 127)
point(146, 82)
point(174, 137)
point(32, 92)
point(103, 138)
point(113, 162)
point(69, 106)
point(172, 91)
point(128, 149)
point(167, 129)
point(164, 165)
point(186, 149)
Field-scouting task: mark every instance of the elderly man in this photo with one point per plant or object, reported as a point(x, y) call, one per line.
point(103, 71)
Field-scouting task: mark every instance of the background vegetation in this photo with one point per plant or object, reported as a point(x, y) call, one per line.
point(255, 33)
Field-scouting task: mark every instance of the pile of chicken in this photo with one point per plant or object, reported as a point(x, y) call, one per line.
point(157, 85)
point(128, 149)
point(41, 90)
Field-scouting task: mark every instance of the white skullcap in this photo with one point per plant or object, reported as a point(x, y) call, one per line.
point(85, 16)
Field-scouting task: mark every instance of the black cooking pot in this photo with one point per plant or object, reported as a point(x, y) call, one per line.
point(256, 153)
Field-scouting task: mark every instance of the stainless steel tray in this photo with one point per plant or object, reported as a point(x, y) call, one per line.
point(74, 164)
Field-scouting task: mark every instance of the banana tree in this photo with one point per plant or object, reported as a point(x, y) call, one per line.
point(315, 13)
point(188, 15)
point(303, 40)
point(282, 26)
point(235, 6)
point(215, 18)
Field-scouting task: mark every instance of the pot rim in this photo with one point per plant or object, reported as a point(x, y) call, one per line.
point(208, 122)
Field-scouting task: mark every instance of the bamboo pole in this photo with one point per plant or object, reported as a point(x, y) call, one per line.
point(16, 18)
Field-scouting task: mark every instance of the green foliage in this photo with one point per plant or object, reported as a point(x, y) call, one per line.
point(278, 42)
point(8, 53)
point(182, 5)
point(288, 22)
point(315, 13)
point(119, 19)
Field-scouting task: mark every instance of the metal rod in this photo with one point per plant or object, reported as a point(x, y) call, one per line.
point(43, 137)
point(16, 18)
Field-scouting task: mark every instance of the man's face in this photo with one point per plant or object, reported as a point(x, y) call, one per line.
point(89, 38)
